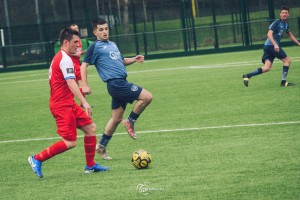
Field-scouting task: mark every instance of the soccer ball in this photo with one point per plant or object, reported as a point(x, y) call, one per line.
point(141, 159)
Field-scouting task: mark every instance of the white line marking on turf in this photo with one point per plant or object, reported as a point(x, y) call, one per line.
point(166, 130)
point(223, 65)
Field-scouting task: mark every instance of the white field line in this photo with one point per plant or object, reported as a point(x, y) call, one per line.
point(223, 65)
point(166, 130)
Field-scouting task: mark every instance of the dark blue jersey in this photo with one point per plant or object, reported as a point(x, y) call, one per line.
point(278, 27)
point(108, 60)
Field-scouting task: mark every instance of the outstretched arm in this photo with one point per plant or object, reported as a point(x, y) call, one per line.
point(79, 53)
point(292, 37)
point(138, 59)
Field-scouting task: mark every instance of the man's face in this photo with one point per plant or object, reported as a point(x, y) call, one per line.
point(72, 45)
point(102, 32)
point(284, 14)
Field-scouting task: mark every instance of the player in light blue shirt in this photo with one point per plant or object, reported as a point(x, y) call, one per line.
point(111, 68)
point(273, 50)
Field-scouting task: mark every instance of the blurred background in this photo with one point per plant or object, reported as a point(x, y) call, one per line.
point(155, 28)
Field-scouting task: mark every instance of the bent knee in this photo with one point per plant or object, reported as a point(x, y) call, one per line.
point(93, 128)
point(147, 97)
point(266, 69)
point(287, 61)
point(90, 129)
point(70, 144)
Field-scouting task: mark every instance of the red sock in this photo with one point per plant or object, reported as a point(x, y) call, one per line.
point(51, 151)
point(90, 148)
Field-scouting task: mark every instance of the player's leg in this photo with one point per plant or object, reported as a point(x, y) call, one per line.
point(86, 124)
point(66, 124)
point(285, 69)
point(90, 142)
point(112, 124)
point(144, 99)
point(36, 161)
point(267, 59)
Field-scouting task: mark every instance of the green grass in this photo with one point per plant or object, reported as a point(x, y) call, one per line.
point(210, 137)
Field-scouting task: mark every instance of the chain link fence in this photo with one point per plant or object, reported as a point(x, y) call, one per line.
point(155, 28)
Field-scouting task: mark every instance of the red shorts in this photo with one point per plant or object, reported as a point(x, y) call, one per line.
point(68, 119)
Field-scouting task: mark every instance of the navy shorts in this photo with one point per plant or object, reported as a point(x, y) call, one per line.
point(270, 54)
point(122, 92)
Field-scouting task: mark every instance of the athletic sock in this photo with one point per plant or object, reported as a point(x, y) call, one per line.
point(133, 117)
point(89, 149)
point(104, 140)
point(51, 151)
point(255, 72)
point(285, 70)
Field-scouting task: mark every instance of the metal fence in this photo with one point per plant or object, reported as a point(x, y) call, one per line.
point(155, 28)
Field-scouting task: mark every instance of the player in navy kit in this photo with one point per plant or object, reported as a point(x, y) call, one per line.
point(272, 49)
point(111, 67)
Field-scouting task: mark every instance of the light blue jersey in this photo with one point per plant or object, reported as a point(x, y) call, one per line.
point(108, 60)
point(278, 27)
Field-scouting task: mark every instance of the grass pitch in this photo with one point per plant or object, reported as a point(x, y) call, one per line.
point(210, 137)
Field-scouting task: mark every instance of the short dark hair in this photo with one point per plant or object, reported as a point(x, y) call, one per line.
point(67, 34)
point(97, 22)
point(284, 8)
point(73, 25)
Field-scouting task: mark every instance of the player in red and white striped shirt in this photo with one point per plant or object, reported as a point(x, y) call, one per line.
point(68, 115)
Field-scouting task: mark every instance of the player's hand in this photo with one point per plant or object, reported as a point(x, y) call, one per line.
point(88, 109)
point(86, 89)
point(139, 58)
point(276, 48)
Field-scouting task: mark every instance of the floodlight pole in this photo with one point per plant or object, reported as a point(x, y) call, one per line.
point(2, 48)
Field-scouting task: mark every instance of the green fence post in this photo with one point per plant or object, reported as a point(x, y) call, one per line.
point(233, 28)
point(154, 29)
point(215, 24)
point(271, 10)
point(183, 25)
point(145, 43)
point(299, 25)
point(136, 39)
point(245, 21)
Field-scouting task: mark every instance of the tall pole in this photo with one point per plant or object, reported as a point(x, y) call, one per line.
point(183, 25)
point(271, 10)
point(245, 22)
point(7, 21)
point(215, 24)
point(135, 28)
point(38, 19)
point(119, 12)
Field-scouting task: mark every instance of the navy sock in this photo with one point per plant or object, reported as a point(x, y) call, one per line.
point(133, 117)
point(254, 73)
point(105, 140)
point(285, 70)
